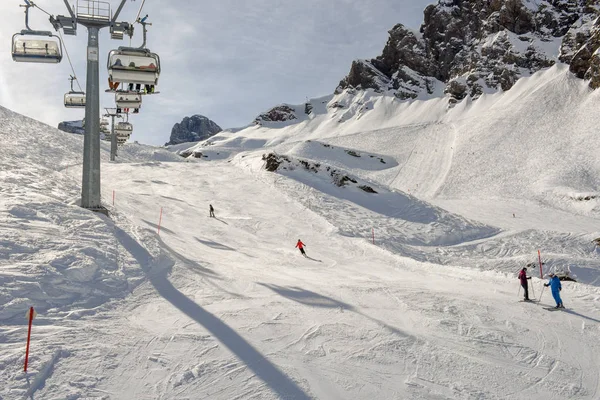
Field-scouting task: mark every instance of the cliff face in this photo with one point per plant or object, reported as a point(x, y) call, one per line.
point(466, 48)
point(72, 127)
point(193, 129)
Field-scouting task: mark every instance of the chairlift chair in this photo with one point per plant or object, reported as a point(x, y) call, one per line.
point(128, 100)
point(122, 136)
point(123, 129)
point(132, 65)
point(74, 99)
point(36, 50)
point(36, 46)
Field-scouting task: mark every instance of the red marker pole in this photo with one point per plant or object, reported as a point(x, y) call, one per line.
point(540, 259)
point(113, 197)
point(28, 338)
point(373, 230)
point(159, 220)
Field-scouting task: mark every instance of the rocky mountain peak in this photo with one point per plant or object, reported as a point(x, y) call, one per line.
point(466, 48)
point(193, 129)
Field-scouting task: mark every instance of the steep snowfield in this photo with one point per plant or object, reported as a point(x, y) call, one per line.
point(226, 308)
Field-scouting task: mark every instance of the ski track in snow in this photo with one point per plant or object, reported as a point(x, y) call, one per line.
point(226, 307)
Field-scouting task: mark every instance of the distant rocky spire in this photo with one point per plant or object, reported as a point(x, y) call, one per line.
point(193, 129)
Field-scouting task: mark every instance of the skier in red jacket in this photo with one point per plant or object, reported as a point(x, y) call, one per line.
point(523, 278)
point(301, 245)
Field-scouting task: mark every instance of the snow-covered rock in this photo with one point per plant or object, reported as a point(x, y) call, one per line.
point(280, 113)
point(476, 47)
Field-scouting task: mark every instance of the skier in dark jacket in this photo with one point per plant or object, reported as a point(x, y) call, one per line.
point(524, 284)
point(301, 245)
point(211, 211)
point(556, 287)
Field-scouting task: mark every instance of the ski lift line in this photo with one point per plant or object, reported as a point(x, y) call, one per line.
point(32, 4)
point(140, 10)
point(69, 58)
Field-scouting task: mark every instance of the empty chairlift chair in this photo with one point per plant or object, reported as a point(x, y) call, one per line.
point(27, 49)
point(74, 99)
point(121, 140)
point(36, 46)
point(104, 126)
point(128, 100)
point(123, 131)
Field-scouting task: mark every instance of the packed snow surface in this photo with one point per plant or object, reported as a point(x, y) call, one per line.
point(406, 293)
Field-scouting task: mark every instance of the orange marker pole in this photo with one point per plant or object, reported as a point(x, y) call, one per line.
point(159, 220)
point(28, 338)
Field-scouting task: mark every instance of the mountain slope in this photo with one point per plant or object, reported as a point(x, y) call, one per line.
point(524, 152)
point(226, 308)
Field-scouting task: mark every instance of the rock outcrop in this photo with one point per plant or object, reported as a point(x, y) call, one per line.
point(193, 129)
point(72, 127)
point(280, 113)
point(466, 48)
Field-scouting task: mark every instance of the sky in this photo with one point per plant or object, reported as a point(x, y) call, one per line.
point(228, 60)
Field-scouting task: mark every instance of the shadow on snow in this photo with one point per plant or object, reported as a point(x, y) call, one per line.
point(280, 383)
point(313, 299)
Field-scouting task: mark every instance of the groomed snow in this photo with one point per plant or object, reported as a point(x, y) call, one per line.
point(226, 308)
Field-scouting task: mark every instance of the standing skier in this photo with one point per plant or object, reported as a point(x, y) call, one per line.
point(524, 284)
point(301, 245)
point(211, 211)
point(556, 287)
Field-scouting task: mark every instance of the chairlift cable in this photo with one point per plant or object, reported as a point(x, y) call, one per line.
point(140, 10)
point(70, 63)
point(41, 9)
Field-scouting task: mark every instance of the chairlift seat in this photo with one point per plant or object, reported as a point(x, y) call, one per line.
point(128, 100)
point(123, 129)
point(36, 50)
point(75, 100)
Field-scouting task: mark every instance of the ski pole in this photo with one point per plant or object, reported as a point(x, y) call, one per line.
point(533, 289)
point(541, 294)
point(519, 292)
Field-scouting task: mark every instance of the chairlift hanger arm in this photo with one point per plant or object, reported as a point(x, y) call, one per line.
point(70, 10)
point(27, 6)
point(114, 19)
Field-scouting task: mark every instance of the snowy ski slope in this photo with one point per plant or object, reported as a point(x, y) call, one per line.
point(226, 308)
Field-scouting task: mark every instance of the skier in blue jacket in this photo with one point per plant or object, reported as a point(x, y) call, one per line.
point(556, 287)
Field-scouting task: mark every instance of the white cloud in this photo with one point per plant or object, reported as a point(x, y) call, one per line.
point(228, 60)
